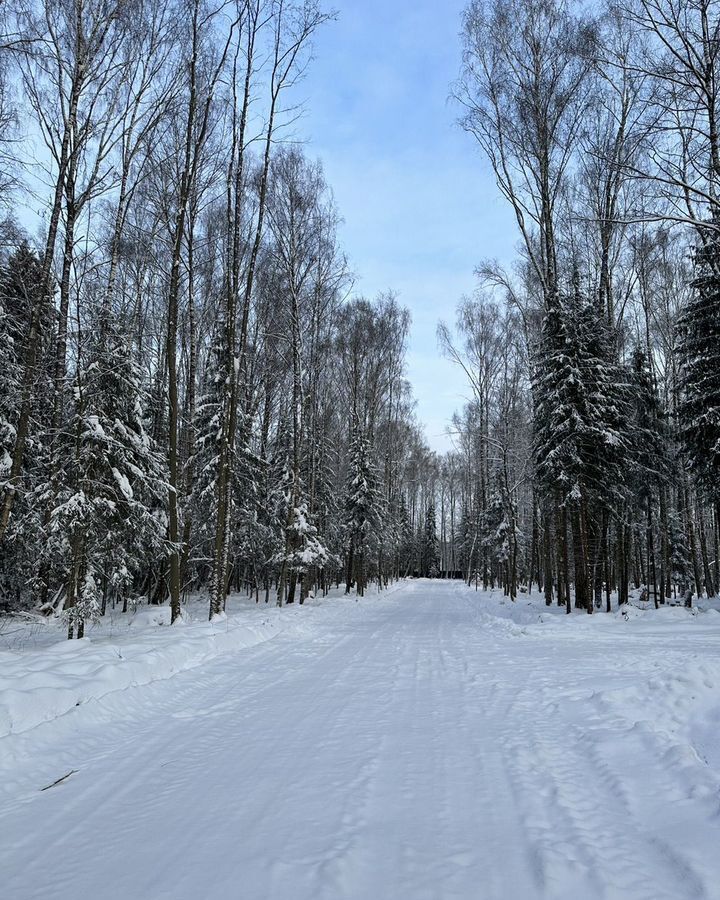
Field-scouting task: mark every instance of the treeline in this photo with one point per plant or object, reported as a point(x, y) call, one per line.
point(588, 460)
point(190, 401)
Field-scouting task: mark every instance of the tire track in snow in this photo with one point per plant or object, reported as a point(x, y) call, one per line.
point(412, 749)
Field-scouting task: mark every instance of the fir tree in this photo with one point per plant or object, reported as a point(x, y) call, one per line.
point(206, 453)
point(9, 395)
point(649, 458)
point(10, 376)
point(581, 422)
point(581, 428)
point(108, 522)
point(363, 512)
point(464, 544)
point(497, 536)
point(430, 552)
point(680, 561)
point(649, 433)
point(20, 290)
point(406, 543)
point(698, 351)
point(300, 546)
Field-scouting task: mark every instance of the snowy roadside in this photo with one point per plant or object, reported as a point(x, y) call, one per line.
point(667, 707)
point(41, 683)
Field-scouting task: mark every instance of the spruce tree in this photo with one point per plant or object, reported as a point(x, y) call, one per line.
point(581, 423)
point(406, 548)
point(464, 545)
point(206, 454)
point(430, 550)
point(363, 512)
point(648, 461)
point(10, 376)
point(9, 394)
point(20, 290)
point(300, 548)
point(496, 530)
point(108, 520)
point(581, 429)
point(698, 351)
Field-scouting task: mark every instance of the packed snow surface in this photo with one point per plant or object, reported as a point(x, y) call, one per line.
point(428, 743)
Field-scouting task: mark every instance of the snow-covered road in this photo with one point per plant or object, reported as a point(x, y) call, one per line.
point(409, 747)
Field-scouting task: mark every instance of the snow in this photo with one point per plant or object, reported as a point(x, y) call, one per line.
point(40, 685)
point(123, 484)
point(95, 428)
point(428, 742)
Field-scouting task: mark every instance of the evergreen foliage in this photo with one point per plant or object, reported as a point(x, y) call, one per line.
point(698, 350)
point(581, 413)
point(364, 511)
point(430, 552)
point(107, 519)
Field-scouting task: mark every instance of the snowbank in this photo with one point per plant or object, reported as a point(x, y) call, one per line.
point(39, 685)
point(43, 675)
point(675, 713)
point(660, 711)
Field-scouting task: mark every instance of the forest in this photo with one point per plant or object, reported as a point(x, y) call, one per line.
point(195, 400)
point(591, 445)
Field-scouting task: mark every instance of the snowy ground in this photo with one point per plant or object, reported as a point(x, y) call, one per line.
point(428, 744)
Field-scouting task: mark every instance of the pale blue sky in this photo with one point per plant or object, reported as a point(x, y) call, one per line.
point(420, 205)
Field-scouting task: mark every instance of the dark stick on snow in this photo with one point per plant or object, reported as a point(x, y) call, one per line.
point(48, 786)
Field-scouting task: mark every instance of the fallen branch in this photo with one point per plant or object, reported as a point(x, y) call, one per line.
point(59, 781)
